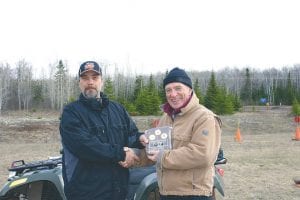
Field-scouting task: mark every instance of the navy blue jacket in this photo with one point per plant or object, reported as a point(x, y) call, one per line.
point(93, 134)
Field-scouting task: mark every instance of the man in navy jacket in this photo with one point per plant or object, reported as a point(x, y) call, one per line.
point(96, 135)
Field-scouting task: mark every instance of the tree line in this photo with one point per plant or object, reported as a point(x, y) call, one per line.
point(223, 91)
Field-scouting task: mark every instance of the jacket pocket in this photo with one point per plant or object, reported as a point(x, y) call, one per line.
point(177, 180)
point(99, 132)
point(181, 140)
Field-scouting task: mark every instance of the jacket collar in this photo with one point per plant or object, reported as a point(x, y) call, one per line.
point(194, 101)
point(94, 103)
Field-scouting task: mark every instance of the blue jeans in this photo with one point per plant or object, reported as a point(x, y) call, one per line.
point(175, 197)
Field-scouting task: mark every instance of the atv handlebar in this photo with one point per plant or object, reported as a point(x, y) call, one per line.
point(20, 166)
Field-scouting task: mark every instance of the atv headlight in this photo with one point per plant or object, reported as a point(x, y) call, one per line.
point(17, 182)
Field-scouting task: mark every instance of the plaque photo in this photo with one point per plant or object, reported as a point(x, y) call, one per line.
point(159, 138)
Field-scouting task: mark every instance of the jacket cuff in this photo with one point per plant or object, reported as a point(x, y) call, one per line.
point(120, 154)
point(137, 143)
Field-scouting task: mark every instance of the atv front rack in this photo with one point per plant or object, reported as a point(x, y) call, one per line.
point(19, 167)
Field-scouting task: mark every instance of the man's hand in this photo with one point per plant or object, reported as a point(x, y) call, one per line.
point(154, 155)
point(143, 140)
point(130, 158)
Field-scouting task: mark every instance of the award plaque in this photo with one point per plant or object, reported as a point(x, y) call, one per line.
point(159, 138)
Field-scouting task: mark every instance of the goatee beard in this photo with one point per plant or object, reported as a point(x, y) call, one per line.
point(91, 94)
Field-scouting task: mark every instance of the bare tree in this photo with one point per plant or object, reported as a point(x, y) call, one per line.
point(62, 85)
point(51, 86)
point(24, 79)
point(5, 78)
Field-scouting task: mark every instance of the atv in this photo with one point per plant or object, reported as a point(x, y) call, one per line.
point(42, 180)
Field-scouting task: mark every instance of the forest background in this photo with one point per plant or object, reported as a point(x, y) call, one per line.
point(223, 91)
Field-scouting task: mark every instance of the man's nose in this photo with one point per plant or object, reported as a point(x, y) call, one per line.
point(175, 92)
point(172, 93)
point(90, 81)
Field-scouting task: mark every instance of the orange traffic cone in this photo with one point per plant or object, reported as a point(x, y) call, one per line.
point(238, 136)
point(297, 134)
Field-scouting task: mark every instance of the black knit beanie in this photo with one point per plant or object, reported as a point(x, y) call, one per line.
point(178, 75)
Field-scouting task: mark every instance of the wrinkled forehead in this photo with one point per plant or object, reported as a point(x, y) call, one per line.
point(174, 84)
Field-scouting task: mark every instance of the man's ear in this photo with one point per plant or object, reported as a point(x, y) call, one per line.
point(102, 85)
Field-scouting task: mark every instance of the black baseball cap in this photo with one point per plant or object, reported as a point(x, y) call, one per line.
point(89, 66)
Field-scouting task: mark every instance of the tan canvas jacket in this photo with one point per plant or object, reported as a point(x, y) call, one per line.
point(188, 168)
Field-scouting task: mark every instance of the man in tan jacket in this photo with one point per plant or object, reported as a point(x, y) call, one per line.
point(186, 171)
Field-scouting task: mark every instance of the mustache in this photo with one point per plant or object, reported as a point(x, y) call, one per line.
point(90, 88)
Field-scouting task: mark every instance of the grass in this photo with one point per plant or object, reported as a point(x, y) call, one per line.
point(261, 167)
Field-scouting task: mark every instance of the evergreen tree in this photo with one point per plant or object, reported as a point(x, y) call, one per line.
point(37, 90)
point(296, 108)
point(60, 77)
point(138, 85)
point(236, 102)
point(198, 91)
point(109, 88)
point(130, 107)
point(143, 102)
point(246, 91)
point(290, 91)
point(154, 97)
point(148, 101)
point(279, 94)
point(151, 85)
point(224, 103)
point(212, 94)
point(161, 90)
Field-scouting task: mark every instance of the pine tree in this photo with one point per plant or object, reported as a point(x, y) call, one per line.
point(290, 91)
point(37, 90)
point(198, 91)
point(279, 94)
point(296, 107)
point(246, 92)
point(60, 77)
point(143, 102)
point(148, 101)
point(138, 85)
point(151, 85)
point(154, 97)
point(109, 88)
point(236, 102)
point(212, 94)
point(224, 103)
point(161, 90)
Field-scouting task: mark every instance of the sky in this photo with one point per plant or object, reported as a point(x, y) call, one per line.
point(149, 36)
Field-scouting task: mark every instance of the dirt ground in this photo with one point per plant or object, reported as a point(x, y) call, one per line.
point(262, 166)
